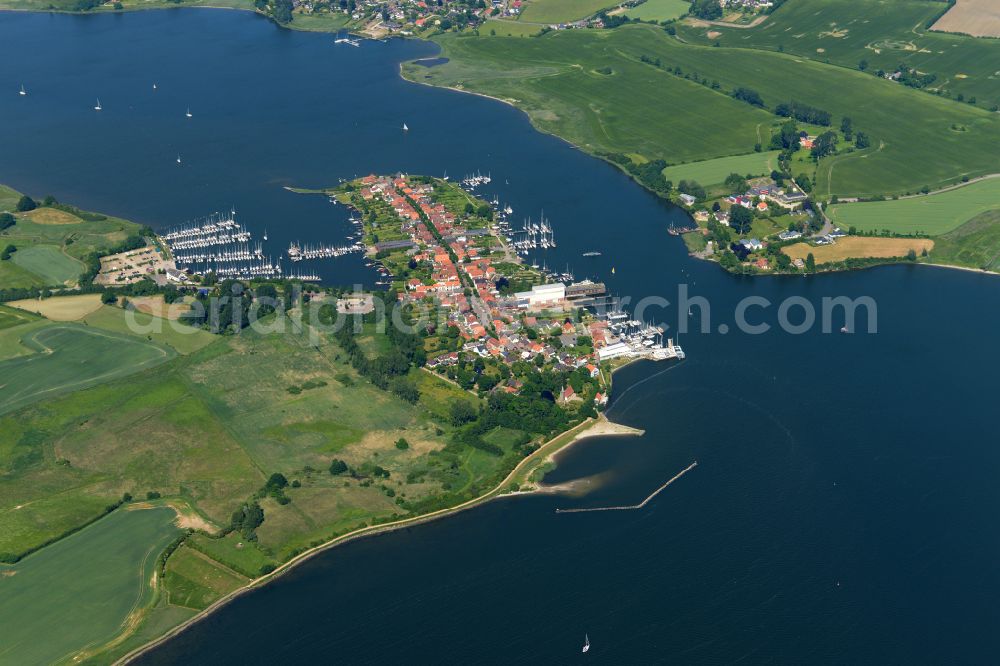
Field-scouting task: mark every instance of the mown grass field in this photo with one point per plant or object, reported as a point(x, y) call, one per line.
point(712, 172)
point(932, 214)
point(638, 108)
point(509, 28)
point(78, 592)
point(561, 11)
point(49, 264)
point(195, 581)
point(883, 32)
point(659, 10)
point(70, 358)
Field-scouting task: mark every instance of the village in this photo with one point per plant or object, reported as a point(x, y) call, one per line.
point(458, 262)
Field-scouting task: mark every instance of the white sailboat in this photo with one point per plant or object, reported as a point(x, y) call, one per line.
point(154, 86)
point(23, 91)
point(265, 234)
point(586, 643)
point(98, 107)
point(188, 114)
point(405, 128)
point(178, 159)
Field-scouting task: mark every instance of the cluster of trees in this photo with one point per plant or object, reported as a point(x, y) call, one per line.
point(803, 113)
point(649, 173)
point(8, 251)
point(247, 519)
point(740, 219)
point(825, 144)
point(279, 10)
point(709, 10)
point(736, 183)
point(750, 96)
point(787, 137)
point(25, 203)
point(693, 188)
point(7, 221)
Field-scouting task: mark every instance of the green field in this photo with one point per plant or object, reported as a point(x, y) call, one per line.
point(932, 214)
point(77, 593)
point(561, 11)
point(50, 254)
point(975, 244)
point(195, 581)
point(183, 339)
point(69, 358)
point(209, 427)
point(508, 28)
point(559, 79)
point(659, 10)
point(883, 32)
point(49, 263)
point(711, 172)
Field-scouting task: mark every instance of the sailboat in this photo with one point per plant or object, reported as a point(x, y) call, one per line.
point(98, 107)
point(188, 114)
point(154, 86)
point(405, 128)
point(265, 234)
point(178, 159)
point(612, 270)
point(23, 91)
point(586, 643)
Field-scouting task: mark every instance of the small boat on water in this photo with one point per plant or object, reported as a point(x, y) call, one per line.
point(154, 86)
point(586, 643)
point(23, 91)
point(844, 329)
point(591, 254)
point(188, 114)
point(98, 107)
point(178, 159)
point(405, 128)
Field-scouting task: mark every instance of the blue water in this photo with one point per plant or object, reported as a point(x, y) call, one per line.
point(843, 507)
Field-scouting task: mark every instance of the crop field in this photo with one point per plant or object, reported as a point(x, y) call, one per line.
point(61, 308)
point(918, 140)
point(859, 246)
point(561, 11)
point(71, 358)
point(711, 172)
point(557, 80)
point(78, 592)
point(932, 214)
point(659, 10)
point(979, 18)
point(882, 32)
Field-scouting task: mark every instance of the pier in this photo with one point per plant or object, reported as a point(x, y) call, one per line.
point(640, 505)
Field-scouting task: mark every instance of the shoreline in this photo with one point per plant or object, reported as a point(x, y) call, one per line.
point(545, 454)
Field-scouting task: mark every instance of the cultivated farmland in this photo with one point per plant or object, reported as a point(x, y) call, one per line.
point(980, 18)
point(884, 33)
point(932, 214)
point(711, 172)
point(71, 358)
point(77, 593)
point(561, 11)
point(659, 10)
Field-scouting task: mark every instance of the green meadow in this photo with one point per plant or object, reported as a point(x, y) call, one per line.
point(591, 88)
point(932, 214)
point(659, 10)
point(68, 358)
point(181, 338)
point(509, 28)
point(883, 32)
point(51, 242)
point(76, 594)
point(205, 430)
point(711, 172)
point(975, 244)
